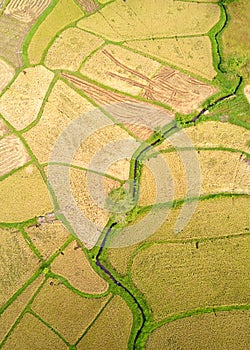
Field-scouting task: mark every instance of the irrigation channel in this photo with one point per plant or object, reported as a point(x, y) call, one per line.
point(136, 165)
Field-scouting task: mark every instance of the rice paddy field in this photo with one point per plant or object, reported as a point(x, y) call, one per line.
point(124, 175)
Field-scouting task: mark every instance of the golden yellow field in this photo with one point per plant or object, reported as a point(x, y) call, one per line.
point(213, 331)
point(10, 315)
point(18, 263)
point(28, 92)
point(29, 196)
point(31, 331)
point(218, 134)
point(48, 238)
point(193, 54)
point(113, 328)
point(214, 274)
point(142, 21)
point(65, 12)
point(75, 267)
point(76, 312)
point(213, 218)
point(71, 48)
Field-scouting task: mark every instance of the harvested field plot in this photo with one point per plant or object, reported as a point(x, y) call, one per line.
point(138, 117)
point(65, 12)
point(223, 330)
point(30, 333)
point(88, 5)
point(74, 266)
point(214, 274)
point(10, 315)
point(70, 48)
point(28, 197)
point(18, 263)
point(180, 91)
point(113, 328)
point(28, 92)
point(48, 238)
point(120, 69)
point(76, 312)
point(12, 34)
point(26, 10)
point(12, 154)
point(192, 54)
point(62, 107)
point(135, 22)
point(6, 74)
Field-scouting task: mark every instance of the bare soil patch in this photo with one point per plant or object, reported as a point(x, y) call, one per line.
point(6, 74)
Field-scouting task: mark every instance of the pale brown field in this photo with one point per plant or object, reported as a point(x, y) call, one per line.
point(219, 331)
point(180, 91)
point(48, 238)
point(149, 185)
point(212, 218)
point(12, 34)
point(62, 107)
point(76, 312)
point(6, 74)
point(65, 12)
point(219, 134)
point(18, 263)
point(193, 54)
point(10, 315)
point(28, 197)
point(84, 195)
point(31, 332)
point(28, 92)
point(142, 21)
point(70, 48)
point(220, 172)
point(138, 117)
point(26, 10)
point(214, 274)
point(111, 330)
point(74, 266)
point(106, 136)
point(120, 69)
point(12, 154)
point(88, 5)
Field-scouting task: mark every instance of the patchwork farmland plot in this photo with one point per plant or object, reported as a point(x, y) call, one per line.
point(102, 104)
point(70, 48)
point(209, 331)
